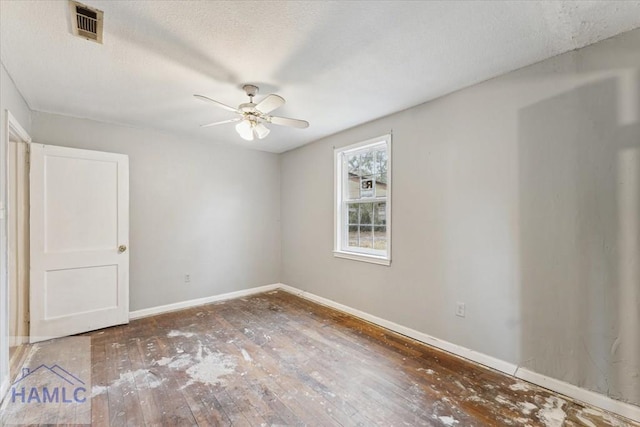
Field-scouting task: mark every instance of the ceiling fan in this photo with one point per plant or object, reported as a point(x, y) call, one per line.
point(254, 116)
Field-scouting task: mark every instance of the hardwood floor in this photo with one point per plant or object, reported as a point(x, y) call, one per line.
point(277, 359)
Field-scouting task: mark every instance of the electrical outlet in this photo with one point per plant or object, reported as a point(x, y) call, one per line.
point(460, 309)
point(187, 278)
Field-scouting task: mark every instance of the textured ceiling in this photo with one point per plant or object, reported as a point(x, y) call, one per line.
point(338, 64)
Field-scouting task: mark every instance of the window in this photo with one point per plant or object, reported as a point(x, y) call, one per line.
point(363, 201)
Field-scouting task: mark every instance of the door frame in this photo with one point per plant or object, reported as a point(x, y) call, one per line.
point(18, 239)
point(13, 131)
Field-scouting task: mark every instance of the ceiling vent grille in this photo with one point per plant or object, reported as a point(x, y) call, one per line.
point(86, 21)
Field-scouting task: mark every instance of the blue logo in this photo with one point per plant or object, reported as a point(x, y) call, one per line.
point(48, 384)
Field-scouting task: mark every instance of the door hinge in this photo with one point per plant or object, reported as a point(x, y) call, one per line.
point(27, 154)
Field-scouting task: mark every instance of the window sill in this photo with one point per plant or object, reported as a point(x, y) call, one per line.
point(373, 259)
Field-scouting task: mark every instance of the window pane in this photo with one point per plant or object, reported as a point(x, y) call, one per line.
point(354, 164)
point(380, 237)
point(353, 188)
point(366, 213)
point(380, 214)
point(353, 213)
point(381, 186)
point(353, 235)
point(381, 162)
point(366, 236)
point(367, 186)
point(367, 165)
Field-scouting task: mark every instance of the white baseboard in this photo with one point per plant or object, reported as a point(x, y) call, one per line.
point(152, 311)
point(483, 359)
point(580, 394)
point(591, 397)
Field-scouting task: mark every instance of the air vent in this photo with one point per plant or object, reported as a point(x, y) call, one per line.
point(86, 21)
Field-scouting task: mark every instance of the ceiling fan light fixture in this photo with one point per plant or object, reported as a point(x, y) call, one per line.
point(261, 130)
point(245, 130)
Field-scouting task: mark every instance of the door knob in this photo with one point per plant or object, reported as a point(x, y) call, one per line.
point(122, 248)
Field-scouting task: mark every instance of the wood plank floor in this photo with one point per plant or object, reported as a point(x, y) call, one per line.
point(277, 359)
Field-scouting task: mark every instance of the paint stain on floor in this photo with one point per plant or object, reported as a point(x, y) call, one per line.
point(275, 359)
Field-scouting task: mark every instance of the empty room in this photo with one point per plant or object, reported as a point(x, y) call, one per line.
point(322, 213)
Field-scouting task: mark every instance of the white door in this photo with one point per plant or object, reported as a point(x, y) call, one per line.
point(79, 237)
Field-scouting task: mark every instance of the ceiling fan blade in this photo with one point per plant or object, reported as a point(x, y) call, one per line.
point(219, 104)
point(270, 103)
point(221, 123)
point(284, 121)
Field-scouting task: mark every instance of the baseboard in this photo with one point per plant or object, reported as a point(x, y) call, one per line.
point(483, 359)
point(580, 394)
point(591, 397)
point(152, 311)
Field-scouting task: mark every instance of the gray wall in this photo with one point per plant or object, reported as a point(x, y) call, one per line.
point(197, 207)
point(10, 99)
point(519, 196)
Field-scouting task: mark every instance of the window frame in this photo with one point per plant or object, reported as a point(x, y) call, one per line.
point(340, 217)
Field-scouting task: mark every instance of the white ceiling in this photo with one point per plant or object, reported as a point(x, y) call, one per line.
point(338, 64)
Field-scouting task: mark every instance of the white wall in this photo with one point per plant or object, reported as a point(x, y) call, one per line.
point(10, 99)
point(197, 207)
point(519, 196)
